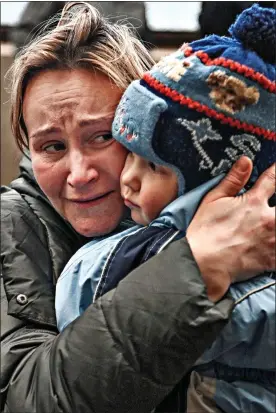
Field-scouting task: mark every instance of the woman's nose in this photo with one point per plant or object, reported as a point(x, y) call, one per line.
point(82, 171)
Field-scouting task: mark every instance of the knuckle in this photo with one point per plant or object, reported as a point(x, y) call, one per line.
point(268, 223)
point(270, 175)
point(254, 199)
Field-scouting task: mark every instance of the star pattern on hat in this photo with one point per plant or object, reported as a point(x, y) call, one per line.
point(201, 131)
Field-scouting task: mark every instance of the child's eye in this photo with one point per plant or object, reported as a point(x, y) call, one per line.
point(152, 166)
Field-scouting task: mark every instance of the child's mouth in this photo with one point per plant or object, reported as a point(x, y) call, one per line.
point(130, 204)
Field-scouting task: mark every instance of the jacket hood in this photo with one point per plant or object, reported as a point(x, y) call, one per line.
point(26, 182)
point(25, 167)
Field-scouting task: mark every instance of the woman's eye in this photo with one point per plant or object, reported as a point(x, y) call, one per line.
point(103, 138)
point(54, 147)
point(152, 166)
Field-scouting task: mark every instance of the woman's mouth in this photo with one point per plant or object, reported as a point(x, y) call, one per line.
point(89, 202)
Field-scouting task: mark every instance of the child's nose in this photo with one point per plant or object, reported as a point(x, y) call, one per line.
point(131, 179)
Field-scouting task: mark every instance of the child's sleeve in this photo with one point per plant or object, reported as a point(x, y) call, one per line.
point(78, 281)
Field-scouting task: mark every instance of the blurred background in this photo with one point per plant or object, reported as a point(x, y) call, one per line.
point(163, 26)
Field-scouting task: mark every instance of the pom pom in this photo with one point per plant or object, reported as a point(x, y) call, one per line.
point(255, 28)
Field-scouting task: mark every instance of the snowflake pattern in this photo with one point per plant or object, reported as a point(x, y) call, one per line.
point(202, 131)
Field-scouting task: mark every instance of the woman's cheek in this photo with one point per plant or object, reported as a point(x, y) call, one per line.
point(46, 174)
point(119, 155)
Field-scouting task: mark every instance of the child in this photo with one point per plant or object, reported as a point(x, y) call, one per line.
point(185, 123)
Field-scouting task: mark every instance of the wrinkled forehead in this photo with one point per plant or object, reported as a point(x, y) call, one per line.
point(79, 96)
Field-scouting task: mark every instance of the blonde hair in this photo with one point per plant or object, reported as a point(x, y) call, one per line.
point(82, 38)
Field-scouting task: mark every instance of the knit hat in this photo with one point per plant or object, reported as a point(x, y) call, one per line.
point(199, 109)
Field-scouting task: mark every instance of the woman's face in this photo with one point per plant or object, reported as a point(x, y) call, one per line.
point(68, 115)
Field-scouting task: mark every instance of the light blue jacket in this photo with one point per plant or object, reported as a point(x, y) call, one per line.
point(240, 366)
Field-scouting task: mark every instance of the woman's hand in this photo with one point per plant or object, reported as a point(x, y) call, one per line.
point(233, 237)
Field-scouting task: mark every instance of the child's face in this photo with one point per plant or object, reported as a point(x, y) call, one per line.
point(147, 188)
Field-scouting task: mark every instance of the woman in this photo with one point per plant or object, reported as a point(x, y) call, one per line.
point(129, 350)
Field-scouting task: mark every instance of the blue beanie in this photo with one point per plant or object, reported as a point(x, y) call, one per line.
point(199, 109)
